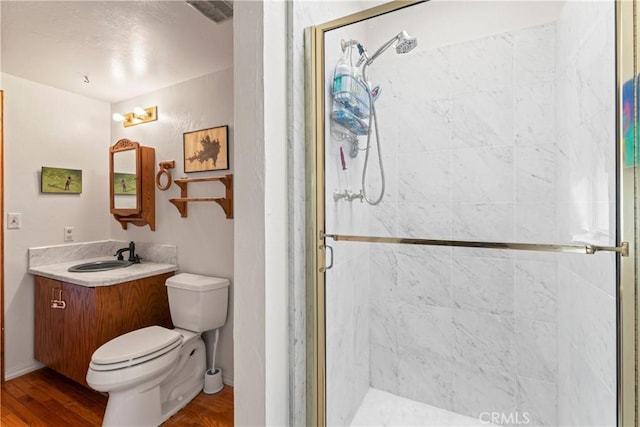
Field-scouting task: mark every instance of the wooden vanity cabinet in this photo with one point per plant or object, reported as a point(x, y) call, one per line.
point(65, 338)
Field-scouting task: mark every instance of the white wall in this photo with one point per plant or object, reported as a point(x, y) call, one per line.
point(205, 238)
point(250, 277)
point(275, 218)
point(47, 127)
point(261, 328)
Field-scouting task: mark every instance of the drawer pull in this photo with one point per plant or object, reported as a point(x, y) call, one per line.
point(58, 303)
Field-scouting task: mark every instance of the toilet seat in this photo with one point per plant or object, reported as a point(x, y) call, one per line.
point(134, 348)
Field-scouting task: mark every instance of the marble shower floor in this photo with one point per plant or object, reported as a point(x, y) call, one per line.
point(380, 408)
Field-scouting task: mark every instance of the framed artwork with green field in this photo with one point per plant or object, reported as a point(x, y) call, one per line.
point(60, 181)
point(124, 184)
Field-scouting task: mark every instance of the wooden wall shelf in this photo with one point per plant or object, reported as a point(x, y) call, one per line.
point(225, 202)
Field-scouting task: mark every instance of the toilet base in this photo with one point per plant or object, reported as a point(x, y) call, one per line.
point(133, 408)
point(187, 379)
point(140, 407)
point(171, 407)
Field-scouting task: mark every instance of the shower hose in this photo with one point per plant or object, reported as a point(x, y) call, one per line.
point(372, 118)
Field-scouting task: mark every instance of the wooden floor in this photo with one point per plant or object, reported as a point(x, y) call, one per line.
point(45, 398)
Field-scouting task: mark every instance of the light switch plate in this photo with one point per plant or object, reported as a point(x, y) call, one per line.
point(14, 220)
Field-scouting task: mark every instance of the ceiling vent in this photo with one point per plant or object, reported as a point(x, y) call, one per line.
point(217, 11)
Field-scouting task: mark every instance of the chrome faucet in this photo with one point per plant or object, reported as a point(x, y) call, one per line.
point(353, 195)
point(337, 195)
point(348, 195)
point(132, 253)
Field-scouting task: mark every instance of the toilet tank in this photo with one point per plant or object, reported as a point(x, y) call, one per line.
point(197, 303)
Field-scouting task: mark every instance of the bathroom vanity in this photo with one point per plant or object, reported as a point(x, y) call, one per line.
point(73, 319)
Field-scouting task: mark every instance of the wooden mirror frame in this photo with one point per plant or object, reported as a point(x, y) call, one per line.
point(145, 211)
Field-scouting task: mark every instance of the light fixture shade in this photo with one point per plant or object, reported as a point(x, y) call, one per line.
point(140, 115)
point(117, 117)
point(139, 111)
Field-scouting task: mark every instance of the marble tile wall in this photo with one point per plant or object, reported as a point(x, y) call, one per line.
point(152, 252)
point(585, 98)
point(469, 146)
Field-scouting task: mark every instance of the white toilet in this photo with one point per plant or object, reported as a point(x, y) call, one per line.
point(152, 373)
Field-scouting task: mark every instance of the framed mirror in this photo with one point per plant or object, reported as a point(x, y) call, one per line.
point(132, 184)
point(124, 177)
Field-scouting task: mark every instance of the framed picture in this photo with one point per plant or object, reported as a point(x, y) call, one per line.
point(206, 150)
point(124, 184)
point(61, 181)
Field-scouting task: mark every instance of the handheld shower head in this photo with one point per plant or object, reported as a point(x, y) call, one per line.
point(403, 41)
point(406, 43)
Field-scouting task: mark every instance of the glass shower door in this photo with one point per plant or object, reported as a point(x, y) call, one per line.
point(468, 197)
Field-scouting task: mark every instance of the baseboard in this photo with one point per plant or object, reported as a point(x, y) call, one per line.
point(227, 379)
point(18, 372)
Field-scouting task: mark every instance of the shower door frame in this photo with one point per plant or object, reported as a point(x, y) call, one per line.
point(627, 222)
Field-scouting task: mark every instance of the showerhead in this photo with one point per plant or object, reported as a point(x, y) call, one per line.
point(406, 43)
point(403, 41)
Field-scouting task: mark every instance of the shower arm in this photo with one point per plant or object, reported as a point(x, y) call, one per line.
point(379, 52)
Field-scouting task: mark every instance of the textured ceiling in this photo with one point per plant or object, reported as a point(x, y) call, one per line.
point(125, 48)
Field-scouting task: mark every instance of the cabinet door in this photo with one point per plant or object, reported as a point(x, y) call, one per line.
point(132, 305)
point(49, 324)
point(79, 330)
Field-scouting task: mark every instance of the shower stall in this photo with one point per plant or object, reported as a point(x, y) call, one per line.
point(471, 231)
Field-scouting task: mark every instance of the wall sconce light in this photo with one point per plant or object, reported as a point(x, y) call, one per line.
point(139, 115)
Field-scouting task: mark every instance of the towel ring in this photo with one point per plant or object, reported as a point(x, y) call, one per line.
point(164, 170)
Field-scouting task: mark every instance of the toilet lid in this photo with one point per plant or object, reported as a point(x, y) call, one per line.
point(136, 346)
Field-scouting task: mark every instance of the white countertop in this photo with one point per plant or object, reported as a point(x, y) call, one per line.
point(101, 278)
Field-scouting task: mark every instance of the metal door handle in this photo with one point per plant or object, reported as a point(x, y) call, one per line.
point(330, 266)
